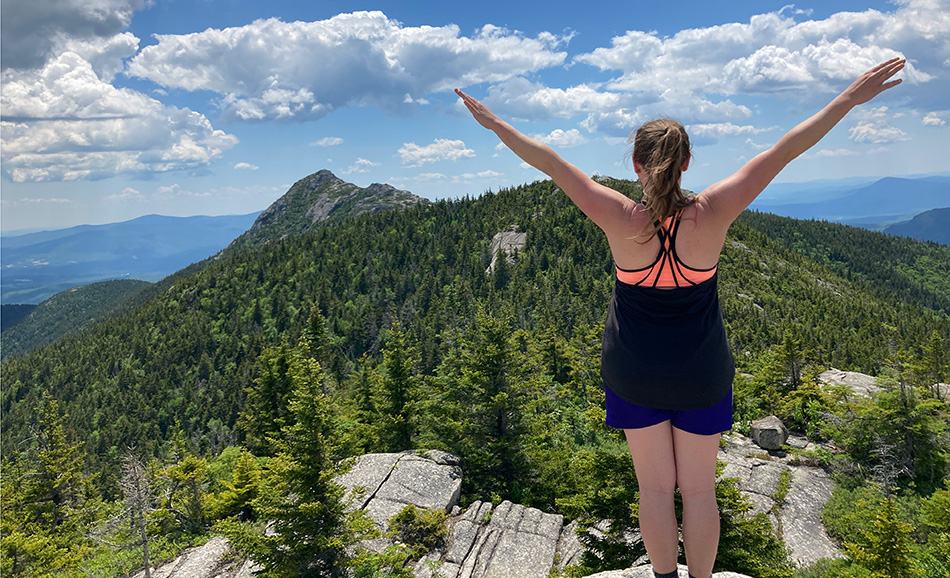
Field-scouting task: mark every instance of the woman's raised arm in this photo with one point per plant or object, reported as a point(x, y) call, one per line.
point(604, 206)
point(730, 196)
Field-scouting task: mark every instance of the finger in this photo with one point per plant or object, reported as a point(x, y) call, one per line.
point(885, 64)
point(891, 67)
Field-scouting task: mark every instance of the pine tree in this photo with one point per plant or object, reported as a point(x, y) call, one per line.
point(492, 401)
point(235, 500)
point(395, 405)
point(265, 412)
point(311, 529)
point(887, 548)
point(47, 503)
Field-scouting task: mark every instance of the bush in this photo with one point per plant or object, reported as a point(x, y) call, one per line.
point(421, 530)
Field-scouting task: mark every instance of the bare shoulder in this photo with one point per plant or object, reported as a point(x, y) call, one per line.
point(701, 234)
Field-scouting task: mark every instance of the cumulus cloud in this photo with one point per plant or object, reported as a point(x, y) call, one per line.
point(31, 31)
point(127, 194)
point(691, 72)
point(563, 138)
point(876, 132)
point(835, 153)
point(360, 166)
point(174, 191)
point(246, 166)
point(274, 70)
point(441, 149)
point(63, 122)
point(327, 141)
point(522, 98)
point(772, 52)
point(721, 129)
point(933, 119)
point(873, 126)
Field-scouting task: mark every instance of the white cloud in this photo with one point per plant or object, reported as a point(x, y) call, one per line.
point(429, 176)
point(127, 194)
point(360, 166)
point(721, 129)
point(274, 70)
point(328, 141)
point(441, 149)
point(933, 119)
point(480, 175)
point(62, 122)
point(521, 98)
point(246, 166)
point(563, 138)
point(777, 53)
point(174, 191)
point(873, 127)
point(877, 133)
point(835, 153)
point(43, 201)
point(32, 31)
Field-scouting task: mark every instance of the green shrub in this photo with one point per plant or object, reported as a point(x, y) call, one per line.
point(422, 530)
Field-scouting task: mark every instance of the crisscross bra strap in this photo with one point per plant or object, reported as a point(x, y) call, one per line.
point(668, 271)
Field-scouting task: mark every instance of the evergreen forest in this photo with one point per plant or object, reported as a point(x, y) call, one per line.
point(233, 394)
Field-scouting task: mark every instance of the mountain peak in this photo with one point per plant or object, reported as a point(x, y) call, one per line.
point(318, 198)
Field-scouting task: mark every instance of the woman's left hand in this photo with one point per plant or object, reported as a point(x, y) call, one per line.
point(482, 114)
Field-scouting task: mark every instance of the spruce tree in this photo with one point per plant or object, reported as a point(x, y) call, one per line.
point(887, 548)
point(47, 501)
point(310, 528)
point(396, 404)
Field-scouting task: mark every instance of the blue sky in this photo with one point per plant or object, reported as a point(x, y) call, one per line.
point(112, 109)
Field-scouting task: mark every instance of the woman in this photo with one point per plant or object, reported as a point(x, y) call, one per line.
point(666, 362)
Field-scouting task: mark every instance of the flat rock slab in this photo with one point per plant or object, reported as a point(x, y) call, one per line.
point(201, 562)
point(801, 516)
point(860, 383)
point(386, 483)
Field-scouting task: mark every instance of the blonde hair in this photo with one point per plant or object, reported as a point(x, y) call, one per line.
point(661, 148)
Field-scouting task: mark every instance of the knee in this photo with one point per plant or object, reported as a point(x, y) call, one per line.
point(697, 488)
point(657, 484)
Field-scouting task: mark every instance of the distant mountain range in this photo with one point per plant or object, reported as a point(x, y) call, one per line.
point(38, 265)
point(870, 205)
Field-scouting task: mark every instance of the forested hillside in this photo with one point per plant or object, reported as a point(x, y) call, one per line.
point(69, 311)
point(418, 347)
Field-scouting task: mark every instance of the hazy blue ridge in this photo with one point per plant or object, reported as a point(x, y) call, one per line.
point(887, 200)
point(933, 225)
point(39, 265)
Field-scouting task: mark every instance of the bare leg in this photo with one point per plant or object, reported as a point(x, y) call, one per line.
point(652, 452)
point(696, 478)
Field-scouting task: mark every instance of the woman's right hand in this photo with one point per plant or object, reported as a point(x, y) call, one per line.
point(482, 114)
point(874, 81)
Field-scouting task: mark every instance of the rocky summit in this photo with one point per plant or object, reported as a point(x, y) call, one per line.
point(321, 198)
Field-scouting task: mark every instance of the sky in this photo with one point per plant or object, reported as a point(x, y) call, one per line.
point(113, 109)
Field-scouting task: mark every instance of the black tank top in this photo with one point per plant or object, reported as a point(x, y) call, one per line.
point(667, 348)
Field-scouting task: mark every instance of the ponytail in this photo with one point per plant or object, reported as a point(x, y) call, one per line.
point(661, 148)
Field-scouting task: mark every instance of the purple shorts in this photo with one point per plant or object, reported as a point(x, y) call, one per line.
point(622, 414)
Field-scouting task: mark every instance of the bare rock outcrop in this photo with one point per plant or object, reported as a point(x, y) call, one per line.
point(513, 541)
point(792, 495)
point(504, 245)
point(861, 384)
